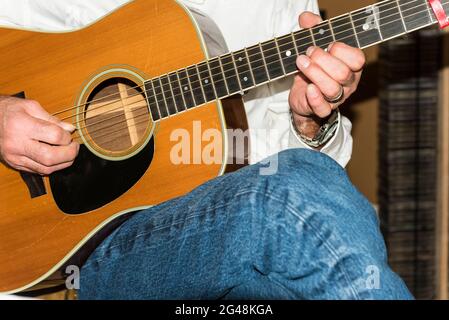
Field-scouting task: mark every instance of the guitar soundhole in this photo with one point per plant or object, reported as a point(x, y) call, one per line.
point(116, 117)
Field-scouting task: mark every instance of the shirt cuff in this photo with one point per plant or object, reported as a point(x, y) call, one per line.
point(339, 147)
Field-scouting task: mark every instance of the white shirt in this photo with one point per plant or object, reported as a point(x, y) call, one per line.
point(267, 107)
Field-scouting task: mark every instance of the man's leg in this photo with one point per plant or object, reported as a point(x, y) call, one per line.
point(302, 233)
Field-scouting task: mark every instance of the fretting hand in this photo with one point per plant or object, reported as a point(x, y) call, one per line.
point(326, 80)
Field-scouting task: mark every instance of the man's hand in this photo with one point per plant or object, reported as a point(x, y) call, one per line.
point(31, 140)
point(323, 75)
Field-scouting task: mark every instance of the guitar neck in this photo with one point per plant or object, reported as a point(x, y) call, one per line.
point(242, 70)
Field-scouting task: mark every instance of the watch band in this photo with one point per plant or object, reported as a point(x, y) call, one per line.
point(324, 135)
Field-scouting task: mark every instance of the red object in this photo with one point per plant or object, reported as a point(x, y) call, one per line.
point(438, 9)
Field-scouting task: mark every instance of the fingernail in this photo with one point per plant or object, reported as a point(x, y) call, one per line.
point(312, 91)
point(310, 51)
point(330, 46)
point(68, 126)
point(303, 61)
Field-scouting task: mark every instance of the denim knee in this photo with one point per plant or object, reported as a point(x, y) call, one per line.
point(317, 190)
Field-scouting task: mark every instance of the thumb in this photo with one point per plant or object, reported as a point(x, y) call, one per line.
point(34, 109)
point(309, 20)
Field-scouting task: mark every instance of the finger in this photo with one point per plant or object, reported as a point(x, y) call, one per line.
point(309, 20)
point(48, 132)
point(317, 103)
point(32, 166)
point(49, 156)
point(333, 66)
point(35, 109)
point(354, 58)
point(297, 96)
point(328, 86)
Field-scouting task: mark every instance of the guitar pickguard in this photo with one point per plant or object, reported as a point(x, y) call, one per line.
point(92, 182)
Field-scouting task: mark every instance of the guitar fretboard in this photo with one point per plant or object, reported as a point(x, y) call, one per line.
point(237, 72)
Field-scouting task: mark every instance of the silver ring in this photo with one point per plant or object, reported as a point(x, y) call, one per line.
point(337, 99)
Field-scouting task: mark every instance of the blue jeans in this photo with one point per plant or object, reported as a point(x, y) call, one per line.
point(302, 233)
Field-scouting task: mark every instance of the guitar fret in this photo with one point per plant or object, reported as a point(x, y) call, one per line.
point(366, 23)
point(355, 32)
point(402, 16)
point(313, 38)
point(169, 100)
point(173, 94)
point(303, 40)
point(432, 15)
point(152, 102)
point(279, 54)
point(428, 9)
point(201, 83)
point(218, 76)
point(230, 74)
point(177, 92)
point(274, 65)
point(257, 63)
point(332, 30)
point(249, 66)
point(198, 93)
point(206, 82)
point(264, 61)
point(212, 80)
point(391, 22)
point(224, 76)
point(237, 72)
point(243, 70)
point(186, 89)
point(160, 98)
point(415, 17)
point(322, 35)
point(180, 88)
point(342, 32)
point(288, 53)
point(292, 35)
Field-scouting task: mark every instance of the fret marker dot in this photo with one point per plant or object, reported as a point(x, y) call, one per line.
point(288, 53)
point(206, 81)
point(185, 88)
point(366, 27)
point(245, 79)
point(322, 31)
point(240, 59)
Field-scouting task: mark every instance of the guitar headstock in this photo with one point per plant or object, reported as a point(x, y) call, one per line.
point(441, 10)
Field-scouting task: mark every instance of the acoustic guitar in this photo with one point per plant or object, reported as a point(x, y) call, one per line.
point(127, 82)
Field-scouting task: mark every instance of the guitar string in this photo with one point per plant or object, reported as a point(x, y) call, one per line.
point(380, 5)
point(100, 129)
point(120, 130)
point(169, 92)
point(116, 116)
point(231, 63)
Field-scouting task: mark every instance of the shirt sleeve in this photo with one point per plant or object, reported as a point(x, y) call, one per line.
point(54, 15)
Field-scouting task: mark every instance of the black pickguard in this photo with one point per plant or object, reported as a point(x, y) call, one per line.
point(93, 182)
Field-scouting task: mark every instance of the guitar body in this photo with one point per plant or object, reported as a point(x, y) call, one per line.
point(45, 221)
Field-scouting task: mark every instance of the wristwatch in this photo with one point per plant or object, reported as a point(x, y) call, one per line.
point(324, 135)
